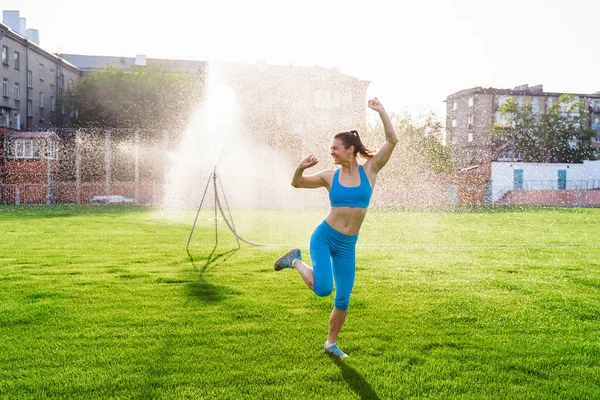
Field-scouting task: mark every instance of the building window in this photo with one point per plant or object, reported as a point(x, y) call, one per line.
point(471, 101)
point(41, 99)
point(470, 137)
point(454, 123)
point(23, 148)
point(17, 91)
point(29, 108)
point(4, 117)
point(4, 55)
point(470, 188)
point(29, 79)
point(454, 106)
point(51, 76)
point(4, 87)
point(520, 100)
point(17, 63)
point(52, 152)
point(52, 104)
point(61, 81)
point(501, 119)
point(502, 100)
point(470, 120)
point(70, 84)
point(17, 121)
point(536, 105)
point(596, 124)
point(549, 102)
point(41, 71)
point(596, 104)
point(567, 107)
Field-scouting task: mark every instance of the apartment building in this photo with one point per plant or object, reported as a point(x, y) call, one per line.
point(34, 81)
point(471, 113)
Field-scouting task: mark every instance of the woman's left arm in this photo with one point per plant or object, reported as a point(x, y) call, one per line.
point(383, 155)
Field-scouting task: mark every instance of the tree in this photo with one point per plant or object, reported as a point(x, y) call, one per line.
point(125, 115)
point(420, 149)
point(562, 135)
point(152, 97)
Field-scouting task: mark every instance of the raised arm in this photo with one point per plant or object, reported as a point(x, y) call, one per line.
point(299, 180)
point(384, 153)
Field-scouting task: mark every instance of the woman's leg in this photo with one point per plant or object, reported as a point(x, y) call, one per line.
point(320, 255)
point(306, 273)
point(336, 321)
point(344, 272)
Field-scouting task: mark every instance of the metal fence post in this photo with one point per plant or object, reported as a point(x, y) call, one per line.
point(78, 142)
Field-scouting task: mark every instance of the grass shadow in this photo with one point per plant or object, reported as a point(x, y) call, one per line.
point(204, 291)
point(207, 292)
point(356, 382)
point(212, 258)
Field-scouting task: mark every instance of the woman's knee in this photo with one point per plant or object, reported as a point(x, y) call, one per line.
point(342, 302)
point(322, 290)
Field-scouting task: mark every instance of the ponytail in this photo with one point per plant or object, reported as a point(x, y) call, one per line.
point(352, 139)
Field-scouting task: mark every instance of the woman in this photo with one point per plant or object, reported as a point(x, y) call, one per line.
point(333, 243)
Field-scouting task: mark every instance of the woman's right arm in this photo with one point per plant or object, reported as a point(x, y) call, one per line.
point(299, 180)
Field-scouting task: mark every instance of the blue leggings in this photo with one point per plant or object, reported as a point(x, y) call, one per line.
point(333, 256)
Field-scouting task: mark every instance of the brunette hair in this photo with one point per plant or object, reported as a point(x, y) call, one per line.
point(352, 139)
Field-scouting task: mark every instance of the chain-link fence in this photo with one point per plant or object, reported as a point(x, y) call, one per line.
point(24, 194)
point(73, 193)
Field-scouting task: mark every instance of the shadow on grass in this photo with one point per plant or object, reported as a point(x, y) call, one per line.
point(356, 382)
point(204, 291)
point(212, 259)
point(207, 292)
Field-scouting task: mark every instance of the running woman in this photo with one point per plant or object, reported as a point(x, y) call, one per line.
point(333, 243)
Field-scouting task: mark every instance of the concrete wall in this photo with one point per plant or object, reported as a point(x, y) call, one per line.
point(540, 176)
point(580, 198)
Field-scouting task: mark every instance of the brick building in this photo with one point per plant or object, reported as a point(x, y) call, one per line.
point(28, 165)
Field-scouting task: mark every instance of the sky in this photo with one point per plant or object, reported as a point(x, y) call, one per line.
point(414, 53)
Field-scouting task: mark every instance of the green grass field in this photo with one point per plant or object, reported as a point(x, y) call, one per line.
point(104, 302)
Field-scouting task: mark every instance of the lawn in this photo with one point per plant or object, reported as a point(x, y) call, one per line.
point(104, 302)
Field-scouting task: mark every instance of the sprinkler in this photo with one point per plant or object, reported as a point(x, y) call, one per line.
point(214, 176)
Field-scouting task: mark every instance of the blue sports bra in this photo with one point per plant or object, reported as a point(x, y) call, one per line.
point(343, 196)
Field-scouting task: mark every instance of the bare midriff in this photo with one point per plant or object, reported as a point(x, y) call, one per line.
point(346, 220)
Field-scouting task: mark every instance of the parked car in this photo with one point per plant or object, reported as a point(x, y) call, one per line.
point(113, 199)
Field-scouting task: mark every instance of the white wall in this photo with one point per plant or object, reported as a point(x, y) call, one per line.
point(540, 175)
